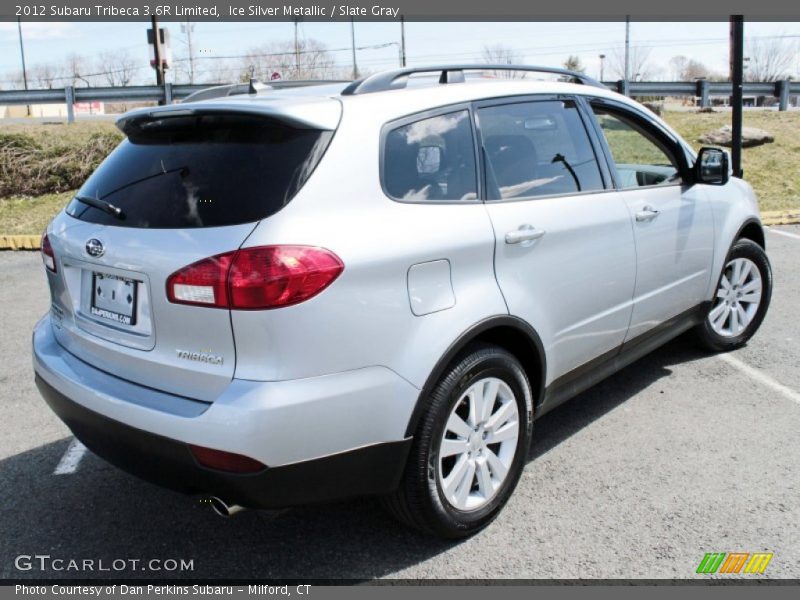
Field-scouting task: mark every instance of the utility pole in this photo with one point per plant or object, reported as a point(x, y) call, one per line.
point(157, 55)
point(22, 54)
point(353, 40)
point(737, 75)
point(296, 49)
point(188, 29)
point(602, 60)
point(627, 52)
point(402, 41)
point(157, 51)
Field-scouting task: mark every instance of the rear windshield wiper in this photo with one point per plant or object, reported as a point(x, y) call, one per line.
point(114, 211)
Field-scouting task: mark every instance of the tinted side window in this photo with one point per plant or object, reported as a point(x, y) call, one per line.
point(537, 149)
point(640, 157)
point(431, 159)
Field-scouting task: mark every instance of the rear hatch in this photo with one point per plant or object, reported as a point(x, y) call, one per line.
point(184, 186)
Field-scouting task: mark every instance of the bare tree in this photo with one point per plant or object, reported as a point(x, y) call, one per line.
point(220, 71)
point(13, 80)
point(770, 59)
point(640, 65)
point(46, 76)
point(688, 69)
point(500, 54)
point(311, 61)
point(677, 67)
point(74, 67)
point(117, 67)
point(573, 63)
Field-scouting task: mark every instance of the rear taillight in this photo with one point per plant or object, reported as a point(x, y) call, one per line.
point(255, 278)
point(203, 283)
point(48, 256)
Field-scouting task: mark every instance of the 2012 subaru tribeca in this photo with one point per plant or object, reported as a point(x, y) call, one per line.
point(296, 296)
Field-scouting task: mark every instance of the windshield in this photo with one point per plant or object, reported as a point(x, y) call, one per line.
point(202, 171)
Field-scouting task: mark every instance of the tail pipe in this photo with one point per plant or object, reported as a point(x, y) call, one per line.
point(223, 509)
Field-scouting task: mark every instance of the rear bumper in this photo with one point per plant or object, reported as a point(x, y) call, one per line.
point(375, 469)
point(322, 439)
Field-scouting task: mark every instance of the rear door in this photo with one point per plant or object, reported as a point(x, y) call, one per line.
point(564, 255)
point(186, 188)
point(672, 221)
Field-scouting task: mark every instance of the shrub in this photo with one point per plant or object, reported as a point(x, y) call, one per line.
point(47, 159)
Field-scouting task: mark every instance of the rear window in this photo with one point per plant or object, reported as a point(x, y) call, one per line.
point(202, 171)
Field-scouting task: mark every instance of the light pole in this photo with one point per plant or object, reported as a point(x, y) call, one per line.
point(602, 59)
point(627, 50)
point(22, 55)
point(402, 41)
point(353, 40)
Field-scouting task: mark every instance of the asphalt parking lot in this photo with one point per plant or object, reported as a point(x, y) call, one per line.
point(680, 454)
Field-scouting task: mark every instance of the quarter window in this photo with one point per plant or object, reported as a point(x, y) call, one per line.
point(537, 149)
point(640, 157)
point(431, 159)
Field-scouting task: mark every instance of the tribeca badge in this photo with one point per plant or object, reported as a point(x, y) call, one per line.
point(732, 562)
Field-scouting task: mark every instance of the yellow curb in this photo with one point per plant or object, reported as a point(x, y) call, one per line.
point(781, 217)
point(20, 242)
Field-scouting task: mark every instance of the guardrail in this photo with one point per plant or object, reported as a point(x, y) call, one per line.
point(168, 93)
point(704, 89)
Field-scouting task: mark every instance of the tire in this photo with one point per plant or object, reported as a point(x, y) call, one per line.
point(731, 321)
point(430, 497)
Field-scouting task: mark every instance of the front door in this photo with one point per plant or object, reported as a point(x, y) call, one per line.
point(672, 221)
point(564, 256)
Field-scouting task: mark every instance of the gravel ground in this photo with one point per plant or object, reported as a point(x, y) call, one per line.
point(678, 455)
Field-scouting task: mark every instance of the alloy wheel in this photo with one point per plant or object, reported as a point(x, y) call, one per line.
point(737, 299)
point(478, 445)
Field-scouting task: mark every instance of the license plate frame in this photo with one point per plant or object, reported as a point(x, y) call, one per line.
point(114, 299)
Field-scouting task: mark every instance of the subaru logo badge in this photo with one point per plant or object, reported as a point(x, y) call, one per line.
point(94, 247)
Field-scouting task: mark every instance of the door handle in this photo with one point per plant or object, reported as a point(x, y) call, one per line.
point(525, 233)
point(648, 213)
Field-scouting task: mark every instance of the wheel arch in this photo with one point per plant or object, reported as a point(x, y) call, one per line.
point(512, 334)
point(752, 230)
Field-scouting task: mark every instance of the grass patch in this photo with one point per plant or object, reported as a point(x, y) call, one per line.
point(37, 159)
point(25, 215)
point(772, 169)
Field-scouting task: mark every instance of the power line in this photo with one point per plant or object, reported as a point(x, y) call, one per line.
point(530, 52)
point(288, 52)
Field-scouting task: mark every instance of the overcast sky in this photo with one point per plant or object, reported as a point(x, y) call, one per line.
point(426, 43)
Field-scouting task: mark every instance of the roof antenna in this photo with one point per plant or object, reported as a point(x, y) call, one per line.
point(256, 86)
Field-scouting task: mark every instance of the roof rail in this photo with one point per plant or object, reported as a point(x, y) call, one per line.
point(398, 78)
point(234, 89)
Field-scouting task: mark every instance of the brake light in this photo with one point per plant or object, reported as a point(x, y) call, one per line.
point(225, 461)
point(263, 277)
point(48, 256)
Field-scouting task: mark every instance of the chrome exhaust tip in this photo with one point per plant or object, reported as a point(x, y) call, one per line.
point(223, 509)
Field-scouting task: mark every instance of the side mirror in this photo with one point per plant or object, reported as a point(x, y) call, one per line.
point(711, 167)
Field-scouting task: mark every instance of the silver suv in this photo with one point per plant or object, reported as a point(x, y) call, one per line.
point(295, 296)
